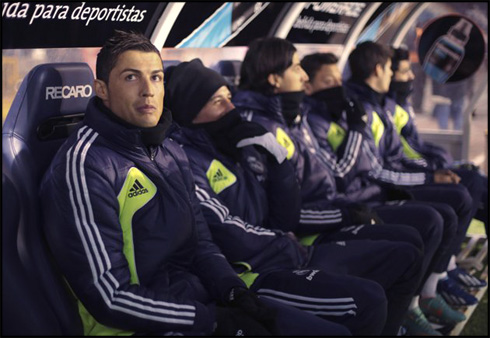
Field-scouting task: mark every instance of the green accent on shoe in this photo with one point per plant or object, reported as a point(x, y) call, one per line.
point(417, 324)
point(437, 308)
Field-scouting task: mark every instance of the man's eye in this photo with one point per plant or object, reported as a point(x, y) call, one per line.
point(157, 77)
point(131, 77)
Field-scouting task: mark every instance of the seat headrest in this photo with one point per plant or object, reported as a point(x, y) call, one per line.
point(170, 63)
point(228, 67)
point(48, 92)
point(230, 70)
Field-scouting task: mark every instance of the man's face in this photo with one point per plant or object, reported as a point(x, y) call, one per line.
point(293, 79)
point(384, 77)
point(404, 72)
point(135, 91)
point(217, 106)
point(328, 76)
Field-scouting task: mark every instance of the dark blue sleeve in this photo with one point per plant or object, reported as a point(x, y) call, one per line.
point(435, 155)
point(283, 195)
point(210, 264)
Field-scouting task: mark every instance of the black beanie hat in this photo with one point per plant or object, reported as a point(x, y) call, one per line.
point(188, 86)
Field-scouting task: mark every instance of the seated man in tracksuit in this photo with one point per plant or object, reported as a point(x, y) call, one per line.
point(433, 156)
point(270, 93)
point(370, 65)
point(246, 190)
point(338, 127)
point(124, 224)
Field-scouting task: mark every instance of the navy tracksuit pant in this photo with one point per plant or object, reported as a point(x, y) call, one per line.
point(291, 321)
point(443, 254)
point(423, 226)
point(356, 303)
point(436, 223)
point(458, 198)
point(396, 266)
point(482, 212)
point(477, 186)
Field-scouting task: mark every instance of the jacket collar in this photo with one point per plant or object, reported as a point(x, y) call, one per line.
point(108, 125)
point(197, 138)
point(315, 106)
point(269, 106)
point(360, 90)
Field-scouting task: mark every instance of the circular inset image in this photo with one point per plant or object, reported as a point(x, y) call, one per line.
point(451, 48)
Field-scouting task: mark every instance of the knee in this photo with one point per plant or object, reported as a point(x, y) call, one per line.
point(413, 236)
point(432, 229)
point(450, 221)
point(465, 200)
point(373, 311)
point(373, 294)
point(435, 223)
point(468, 201)
point(409, 255)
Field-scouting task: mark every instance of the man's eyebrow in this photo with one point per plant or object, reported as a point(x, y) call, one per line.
point(130, 70)
point(217, 96)
point(139, 71)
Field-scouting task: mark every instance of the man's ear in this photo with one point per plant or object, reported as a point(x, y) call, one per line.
point(378, 70)
point(273, 80)
point(101, 89)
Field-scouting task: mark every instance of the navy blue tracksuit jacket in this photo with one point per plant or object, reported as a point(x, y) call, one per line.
point(437, 157)
point(323, 210)
point(127, 231)
point(385, 149)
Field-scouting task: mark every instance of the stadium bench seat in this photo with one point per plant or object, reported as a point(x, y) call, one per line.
point(49, 104)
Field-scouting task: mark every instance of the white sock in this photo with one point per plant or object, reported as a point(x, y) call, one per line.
point(430, 286)
point(414, 303)
point(452, 263)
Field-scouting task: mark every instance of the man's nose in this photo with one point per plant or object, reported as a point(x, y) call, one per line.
point(147, 87)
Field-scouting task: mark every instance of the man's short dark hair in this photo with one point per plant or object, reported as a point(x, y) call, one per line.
point(265, 56)
point(313, 62)
point(363, 59)
point(117, 44)
point(399, 54)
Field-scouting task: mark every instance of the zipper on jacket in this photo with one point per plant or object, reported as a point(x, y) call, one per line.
point(153, 151)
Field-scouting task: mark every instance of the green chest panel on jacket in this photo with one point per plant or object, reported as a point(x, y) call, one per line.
point(377, 128)
point(283, 139)
point(219, 176)
point(137, 190)
point(335, 135)
point(400, 119)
